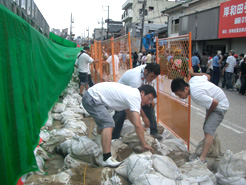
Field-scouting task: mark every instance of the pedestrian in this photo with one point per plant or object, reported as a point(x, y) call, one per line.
point(242, 76)
point(153, 57)
point(229, 70)
point(135, 59)
point(195, 62)
point(90, 81)
point(112, 95)
point(208, 95)
point(223, 64)
point(141, 75)
point(148, 58)
point(81, 63)
point(216, 68)
point(210, 67)
point(204, 62)
point(116, 65)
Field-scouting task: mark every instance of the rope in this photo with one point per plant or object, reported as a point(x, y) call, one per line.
point(87, 163)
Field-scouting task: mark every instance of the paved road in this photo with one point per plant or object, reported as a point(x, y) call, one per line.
point(232, 131)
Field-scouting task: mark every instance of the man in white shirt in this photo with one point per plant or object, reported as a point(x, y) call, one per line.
point(82, 64)
point(116, 64)
point(208, 95)
point(117, 97)
point(229, 69)
point(136, 77)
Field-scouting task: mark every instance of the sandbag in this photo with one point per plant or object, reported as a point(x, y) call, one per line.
point(128, 127)
point(152, 178)
point(49, 122)
point(175, 144)
point(232, 166)
point(59, 107)
point(76, 126)
point(57, 116)
point(84, 146)
point(166, 166)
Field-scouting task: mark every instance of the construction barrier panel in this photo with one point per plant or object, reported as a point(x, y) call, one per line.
point(174, 57)
point(112, 58)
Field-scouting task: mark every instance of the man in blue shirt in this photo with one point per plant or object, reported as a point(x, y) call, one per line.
point(195, 62)
point(216, 68)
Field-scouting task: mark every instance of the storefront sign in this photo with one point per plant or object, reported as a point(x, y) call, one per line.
point(232, 21)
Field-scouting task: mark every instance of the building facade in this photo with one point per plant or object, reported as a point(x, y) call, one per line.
point(203, 19)
point(153, 19)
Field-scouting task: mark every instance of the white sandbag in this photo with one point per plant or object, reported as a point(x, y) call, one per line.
point(84, 146)
point(175, 144)
point(222, 180)
point(137, 164)
point(162, 148)
point(57, 116)
point(40, 163)
point(77, 97)
point(53, 141)
point(49, 122)
point(70, 114)
point(198, 172)
point(166, 166)
point(71, 162)
point(44, 135)
point(62, 132)
point(76, 126)
point(233, 165)
point(132, 139)
point(64, 147)
point(76, 110)
point(39, 151)
point(59, 107)
point(61, 178)
point(152, 178)
point(70, 101)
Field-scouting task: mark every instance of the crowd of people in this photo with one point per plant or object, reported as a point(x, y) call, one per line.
point(227, 70)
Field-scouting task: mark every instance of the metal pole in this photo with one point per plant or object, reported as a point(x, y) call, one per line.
point(142, 29)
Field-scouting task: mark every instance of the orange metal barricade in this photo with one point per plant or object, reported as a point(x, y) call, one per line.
point(112, 58)
point(174, 57)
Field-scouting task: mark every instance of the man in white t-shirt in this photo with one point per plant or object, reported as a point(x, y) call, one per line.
point(81, 63)
point(229, 69)
point(136, 77)
point(116, 64)
point(208, 95)
point(116, 96)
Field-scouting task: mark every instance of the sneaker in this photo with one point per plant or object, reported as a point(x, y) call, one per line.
point(157, 136)
point(198, 160)
point(111, 162)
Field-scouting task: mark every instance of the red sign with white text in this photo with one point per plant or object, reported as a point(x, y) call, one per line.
point(232, 21)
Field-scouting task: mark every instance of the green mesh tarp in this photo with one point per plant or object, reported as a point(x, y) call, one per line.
point(61, 41)
point(33, 73)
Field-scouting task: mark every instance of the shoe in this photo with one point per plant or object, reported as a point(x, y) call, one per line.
point(157, 136)
point(111, 162)
point(198, 160)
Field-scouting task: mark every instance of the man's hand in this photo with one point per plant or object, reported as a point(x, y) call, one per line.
point(146, 122)
point(147, 147)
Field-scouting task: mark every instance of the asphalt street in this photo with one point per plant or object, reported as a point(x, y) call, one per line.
point(232, 131)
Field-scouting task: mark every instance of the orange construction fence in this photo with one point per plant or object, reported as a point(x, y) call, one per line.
point(174, 57)
point(112, 58)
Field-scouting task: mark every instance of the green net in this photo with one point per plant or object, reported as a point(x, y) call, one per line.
point(61, 41)
point(33, 73)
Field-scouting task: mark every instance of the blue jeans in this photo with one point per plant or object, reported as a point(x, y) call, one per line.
point(228, 77)
point(120, 116)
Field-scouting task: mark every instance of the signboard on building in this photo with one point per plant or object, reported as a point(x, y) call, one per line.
point(232, 22)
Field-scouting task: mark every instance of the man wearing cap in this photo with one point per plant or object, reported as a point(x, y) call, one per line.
point(229, 70)
point(216, 68)
point(81, 63)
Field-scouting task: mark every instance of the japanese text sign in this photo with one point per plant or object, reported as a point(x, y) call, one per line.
point(232, 21)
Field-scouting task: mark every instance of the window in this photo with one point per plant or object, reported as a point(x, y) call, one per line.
point(151, 8)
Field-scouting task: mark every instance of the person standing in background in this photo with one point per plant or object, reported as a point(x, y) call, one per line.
point(195, 62)
point(216, 68)
point(204, 62)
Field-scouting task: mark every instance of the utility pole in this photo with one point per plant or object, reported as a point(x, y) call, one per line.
point(102, 34)
point(88, 35)
point(142, 29)
point(71, 27)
